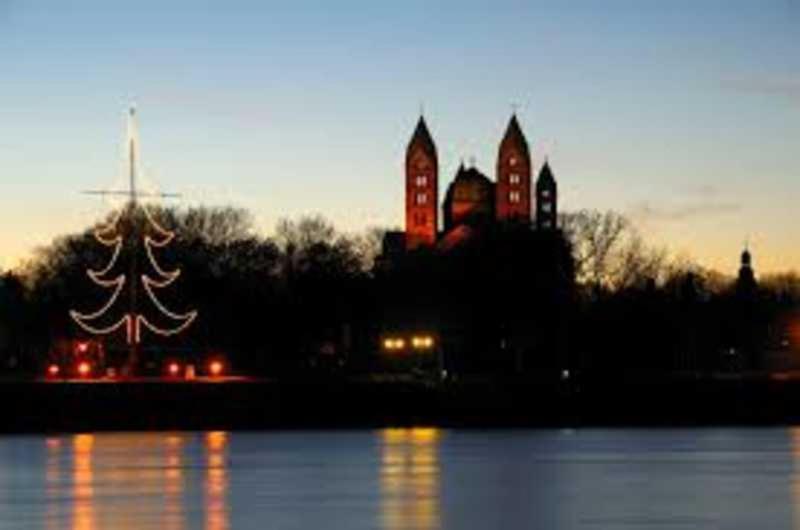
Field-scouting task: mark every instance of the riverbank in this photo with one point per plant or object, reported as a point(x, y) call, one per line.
point(159, 405)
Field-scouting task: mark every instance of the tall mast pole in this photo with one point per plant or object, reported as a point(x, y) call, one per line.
point(133, 339)
point(132, 154)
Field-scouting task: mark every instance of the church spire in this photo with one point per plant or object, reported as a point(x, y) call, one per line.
point(513, 190)
point(546, 199)
point(422, 176)
point(515, 136)
point(422, 138)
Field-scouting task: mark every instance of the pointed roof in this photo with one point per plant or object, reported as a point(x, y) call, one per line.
point(471, 173)
point(460, 171)
point(546, 175)
point(422, 137)
point(515, 136)
point(747, 258)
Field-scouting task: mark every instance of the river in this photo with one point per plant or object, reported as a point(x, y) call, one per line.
point(421, 478)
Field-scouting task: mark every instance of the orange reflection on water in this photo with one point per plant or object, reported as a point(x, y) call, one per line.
point(136, 480)
point(83, 517)
point(52, 479)
point(216, 481)
point(410, 482)
point(117, 481)
point(173, 484)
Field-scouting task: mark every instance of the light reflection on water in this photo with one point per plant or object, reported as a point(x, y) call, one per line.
point(134, 481)
point(216, 483)
point(403, 479)
point(410, 479)
point(83, 482)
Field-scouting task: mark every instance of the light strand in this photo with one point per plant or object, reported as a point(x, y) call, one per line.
point(134, 321)
point(163, 283)
point(120, 283)
point(163, 332)
point(147, 283)
point(172, 275)
point(94, 275)
point(101, 331)
point(155, 224)
point(111, 226)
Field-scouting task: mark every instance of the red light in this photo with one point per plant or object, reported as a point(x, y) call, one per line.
point(215, 368)
point(174, 368)
point(84, 368)
point(53, 369)
point(83, 347)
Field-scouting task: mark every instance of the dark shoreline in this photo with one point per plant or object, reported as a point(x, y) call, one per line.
point(79, 407)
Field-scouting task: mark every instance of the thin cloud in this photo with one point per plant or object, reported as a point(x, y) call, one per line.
point(787, 87)
point(646, 211)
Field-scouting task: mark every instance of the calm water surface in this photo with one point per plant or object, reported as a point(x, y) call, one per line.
point(403, 479)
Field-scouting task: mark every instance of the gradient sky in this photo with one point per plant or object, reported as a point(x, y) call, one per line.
point(684, 115)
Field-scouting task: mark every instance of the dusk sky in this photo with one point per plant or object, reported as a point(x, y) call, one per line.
point(684, 115)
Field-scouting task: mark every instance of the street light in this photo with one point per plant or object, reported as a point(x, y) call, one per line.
point(173, 368)
point(393, 343)
point(215, 368)
point(84, 368)
point(423, 342)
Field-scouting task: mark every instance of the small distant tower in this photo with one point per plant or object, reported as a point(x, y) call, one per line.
point(546, 199)
point(513, 194)
point(746, 282)
point(422, 175)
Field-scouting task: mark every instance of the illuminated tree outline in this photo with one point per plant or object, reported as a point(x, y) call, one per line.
point(111, 236)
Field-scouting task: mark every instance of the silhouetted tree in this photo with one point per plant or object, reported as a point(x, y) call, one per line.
point(594, 297)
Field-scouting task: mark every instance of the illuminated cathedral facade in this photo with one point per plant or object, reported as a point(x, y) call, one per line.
point(472, 201)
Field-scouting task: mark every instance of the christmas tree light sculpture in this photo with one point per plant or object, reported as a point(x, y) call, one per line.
point(132, 228)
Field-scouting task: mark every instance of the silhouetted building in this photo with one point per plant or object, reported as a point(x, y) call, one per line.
point(490, 282)
point(469, 200)
point(422, 180)
point(546, 199)
point(746, 281)
point(747, 318)
point(472, 201)
point(514, 175)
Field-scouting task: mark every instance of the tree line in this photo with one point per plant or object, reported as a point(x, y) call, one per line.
point(310, 298)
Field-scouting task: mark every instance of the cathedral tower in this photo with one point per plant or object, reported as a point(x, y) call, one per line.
point(513, 193)
point(546, 199)
point(422, 174)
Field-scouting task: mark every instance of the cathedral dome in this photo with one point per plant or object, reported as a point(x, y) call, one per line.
point(469, 199)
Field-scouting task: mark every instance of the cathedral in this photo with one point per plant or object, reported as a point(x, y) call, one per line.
point(487, 270)
point(472, 201)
